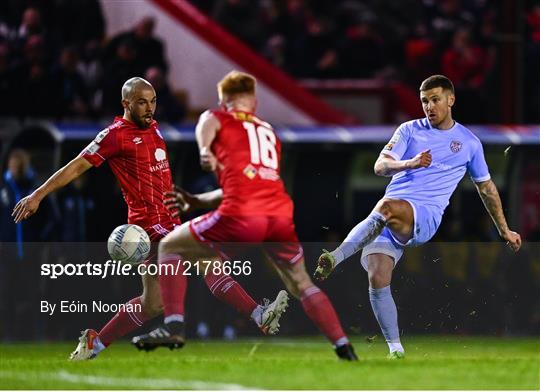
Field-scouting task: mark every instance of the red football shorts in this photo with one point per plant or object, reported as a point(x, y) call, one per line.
point(277, 235)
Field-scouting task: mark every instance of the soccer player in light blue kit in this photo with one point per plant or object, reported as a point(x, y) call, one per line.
point(426, 159)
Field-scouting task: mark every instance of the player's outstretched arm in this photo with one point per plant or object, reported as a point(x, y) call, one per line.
point(179, 200)
point(27, 206)
point(386, 166)
point(492, 201)
point(205, 133)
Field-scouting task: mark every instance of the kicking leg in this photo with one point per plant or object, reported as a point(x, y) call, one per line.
point(380, 267)
point(397, 214)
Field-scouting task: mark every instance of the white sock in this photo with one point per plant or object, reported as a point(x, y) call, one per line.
point(174, 317)
point(395, 347)
point(341, 342)
point(256, 315)
point(361, 235)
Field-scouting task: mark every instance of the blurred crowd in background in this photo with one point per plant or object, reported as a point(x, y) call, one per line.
point(56, 61)
point(393, 39)
point(365, 39)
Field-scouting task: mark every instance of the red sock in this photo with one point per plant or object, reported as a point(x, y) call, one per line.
point(172, 286)
point(229, 291)
point(320, 310)
point(123, 323)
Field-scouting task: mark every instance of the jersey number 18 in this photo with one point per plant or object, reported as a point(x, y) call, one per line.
point(262, 145)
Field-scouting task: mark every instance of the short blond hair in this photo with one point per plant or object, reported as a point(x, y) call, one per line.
point(236, 82)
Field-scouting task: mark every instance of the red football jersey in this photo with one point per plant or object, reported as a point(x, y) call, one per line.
point(250, 154)
point(138, 159)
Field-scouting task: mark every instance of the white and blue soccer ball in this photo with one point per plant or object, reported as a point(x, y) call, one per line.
point(129, 244)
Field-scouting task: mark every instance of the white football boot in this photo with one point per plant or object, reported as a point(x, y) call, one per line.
point(269, 323)
point(86, 348)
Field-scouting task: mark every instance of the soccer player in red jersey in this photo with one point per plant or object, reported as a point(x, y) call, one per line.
point(252, 207)
point(137, 155)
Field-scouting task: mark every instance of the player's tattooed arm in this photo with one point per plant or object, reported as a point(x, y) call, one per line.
point(492, 201)
point(386, 166)
point(27, 206)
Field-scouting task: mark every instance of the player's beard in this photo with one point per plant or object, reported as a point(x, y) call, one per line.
point(141, 121)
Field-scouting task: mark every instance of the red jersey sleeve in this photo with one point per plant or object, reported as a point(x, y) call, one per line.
point(103, 147)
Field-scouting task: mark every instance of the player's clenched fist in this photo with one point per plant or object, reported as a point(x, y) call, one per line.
point(513, 240)
point(25, 208)
point(423, 159)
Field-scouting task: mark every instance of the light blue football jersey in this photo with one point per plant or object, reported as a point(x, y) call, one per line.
point(454, 151)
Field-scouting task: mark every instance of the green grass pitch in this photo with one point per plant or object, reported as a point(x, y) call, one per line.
point(433, 362)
